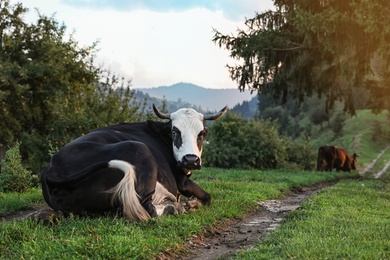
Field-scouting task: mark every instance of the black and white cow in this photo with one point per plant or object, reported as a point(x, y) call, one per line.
point(129, 168)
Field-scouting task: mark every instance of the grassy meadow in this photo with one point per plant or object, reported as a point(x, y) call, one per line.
point(350, 220)
point(365, 134)
point(234, 192)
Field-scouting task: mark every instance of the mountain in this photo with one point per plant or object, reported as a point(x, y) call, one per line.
point(205, 98)
point(171, 106)
point(246, 109)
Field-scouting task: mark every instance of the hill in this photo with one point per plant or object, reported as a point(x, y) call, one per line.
point(366, 134)
point(205, 98)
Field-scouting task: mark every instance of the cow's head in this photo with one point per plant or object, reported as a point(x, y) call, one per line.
point(188, 132)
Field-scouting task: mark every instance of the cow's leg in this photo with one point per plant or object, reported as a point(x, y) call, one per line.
point(87, 196)
point(331, 165)
point(347, 166)
point(189, 188)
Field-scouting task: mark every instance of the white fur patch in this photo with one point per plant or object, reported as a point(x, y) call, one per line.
point(160, 194)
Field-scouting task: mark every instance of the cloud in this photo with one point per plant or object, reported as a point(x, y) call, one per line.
point(151, 46)
point(232, 9)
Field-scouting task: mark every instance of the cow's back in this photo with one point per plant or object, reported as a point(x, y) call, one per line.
point(97, 146)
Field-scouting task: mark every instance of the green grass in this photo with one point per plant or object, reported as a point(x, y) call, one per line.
point(12, 202)
point(233, 194)
point(350, 220)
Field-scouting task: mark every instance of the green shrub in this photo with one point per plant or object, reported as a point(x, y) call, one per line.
point(14, 177)
point(234, 142)
point(301, 155)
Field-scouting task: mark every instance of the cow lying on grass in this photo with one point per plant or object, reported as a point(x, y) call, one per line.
point(134, 169)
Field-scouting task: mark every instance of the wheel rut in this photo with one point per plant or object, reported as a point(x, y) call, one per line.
point(233, 236)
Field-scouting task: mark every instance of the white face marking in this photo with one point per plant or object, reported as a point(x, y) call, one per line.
point(189, 124)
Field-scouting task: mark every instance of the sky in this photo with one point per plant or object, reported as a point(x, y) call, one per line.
point(155, 42)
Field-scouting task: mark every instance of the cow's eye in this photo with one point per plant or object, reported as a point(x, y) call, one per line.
point(175, 133)
point(202, 133)
point(201, 136)
point(176, 137)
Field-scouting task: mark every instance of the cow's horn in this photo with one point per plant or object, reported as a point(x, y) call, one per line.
point(159, 114)
point(217, 115)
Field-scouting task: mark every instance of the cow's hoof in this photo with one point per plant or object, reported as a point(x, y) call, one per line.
point(170, 210)
point(191, 204)
point(174, 209)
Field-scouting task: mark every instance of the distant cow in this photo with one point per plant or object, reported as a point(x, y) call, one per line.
point(330, 157)
point(325, 158)
point(130, 168)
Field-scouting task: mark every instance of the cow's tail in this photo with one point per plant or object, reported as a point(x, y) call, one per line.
point(125, 192)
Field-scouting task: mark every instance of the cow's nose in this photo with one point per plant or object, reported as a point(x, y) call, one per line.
point(191, 161)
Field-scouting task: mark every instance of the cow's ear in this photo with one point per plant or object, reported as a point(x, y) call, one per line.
point(160, 128)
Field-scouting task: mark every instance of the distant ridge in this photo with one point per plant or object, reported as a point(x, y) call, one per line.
point(207, 98)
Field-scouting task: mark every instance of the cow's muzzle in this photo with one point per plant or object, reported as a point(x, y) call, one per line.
point(190, 162)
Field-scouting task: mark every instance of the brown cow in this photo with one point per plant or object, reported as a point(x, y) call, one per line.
point(330, 157)
point(344, 161)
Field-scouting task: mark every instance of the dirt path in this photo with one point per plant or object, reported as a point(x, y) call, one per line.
point(234, 236)
point(381, 172)
point(372, 164)
point(387, 165)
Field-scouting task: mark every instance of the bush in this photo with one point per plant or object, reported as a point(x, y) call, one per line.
point(14, 177)
point(236, 143)
point(301, 155)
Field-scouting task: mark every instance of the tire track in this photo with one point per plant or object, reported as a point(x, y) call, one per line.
point(372, 164)
point(224, 241)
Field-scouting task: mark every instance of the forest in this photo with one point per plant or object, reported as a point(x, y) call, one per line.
point(52, 92)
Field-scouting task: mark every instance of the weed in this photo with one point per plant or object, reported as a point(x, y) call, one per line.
point(14, 176)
